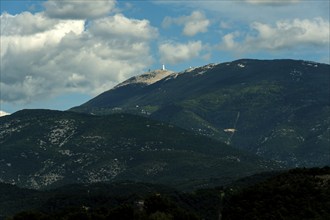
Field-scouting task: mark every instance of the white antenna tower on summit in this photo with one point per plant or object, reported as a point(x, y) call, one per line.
point(163, 67)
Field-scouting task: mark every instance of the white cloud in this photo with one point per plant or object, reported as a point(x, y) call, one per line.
point(229, 40)
point(2, 113)
point(285, 34)
point(119, 25)
point(24, 23)
point(192, 24)
point(21, 41)
point(68, 56)
point(82, 9)
point(173, 53)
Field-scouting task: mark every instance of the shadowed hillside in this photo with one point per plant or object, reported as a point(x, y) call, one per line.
point(278, 109)
point(43, 149)
point(294, 194)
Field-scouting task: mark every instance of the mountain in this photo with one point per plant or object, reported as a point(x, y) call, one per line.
point(277, 109)
point(44, 149)
point(147, 78)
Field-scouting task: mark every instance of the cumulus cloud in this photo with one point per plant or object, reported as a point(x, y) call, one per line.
point(192, 24)
point(68, 9)
point(3, 113)
point(119, 25)
point(24, 24)
point(173, 53)
point(56, 56)
point(229, 40)
point(285, 34)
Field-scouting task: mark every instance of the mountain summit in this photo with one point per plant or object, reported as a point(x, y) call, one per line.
point(278, 109)
point(146, 78)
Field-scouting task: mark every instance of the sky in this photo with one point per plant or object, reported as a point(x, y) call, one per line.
point(59, 54)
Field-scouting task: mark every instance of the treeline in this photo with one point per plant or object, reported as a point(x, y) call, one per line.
point(156, 206)
point(153, 207)
point(124, 200)
point(296, 194)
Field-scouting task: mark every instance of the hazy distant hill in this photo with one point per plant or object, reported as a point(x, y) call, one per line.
point(43, 148)
point(278, 109)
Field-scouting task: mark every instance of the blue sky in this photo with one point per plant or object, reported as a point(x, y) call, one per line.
point(59, 54)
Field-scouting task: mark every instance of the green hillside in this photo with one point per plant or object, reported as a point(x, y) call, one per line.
point(43, 149)
point(278, 109)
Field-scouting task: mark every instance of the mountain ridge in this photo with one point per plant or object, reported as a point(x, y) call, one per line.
point(256, 105)
point(45, 148)
point(146, 78)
